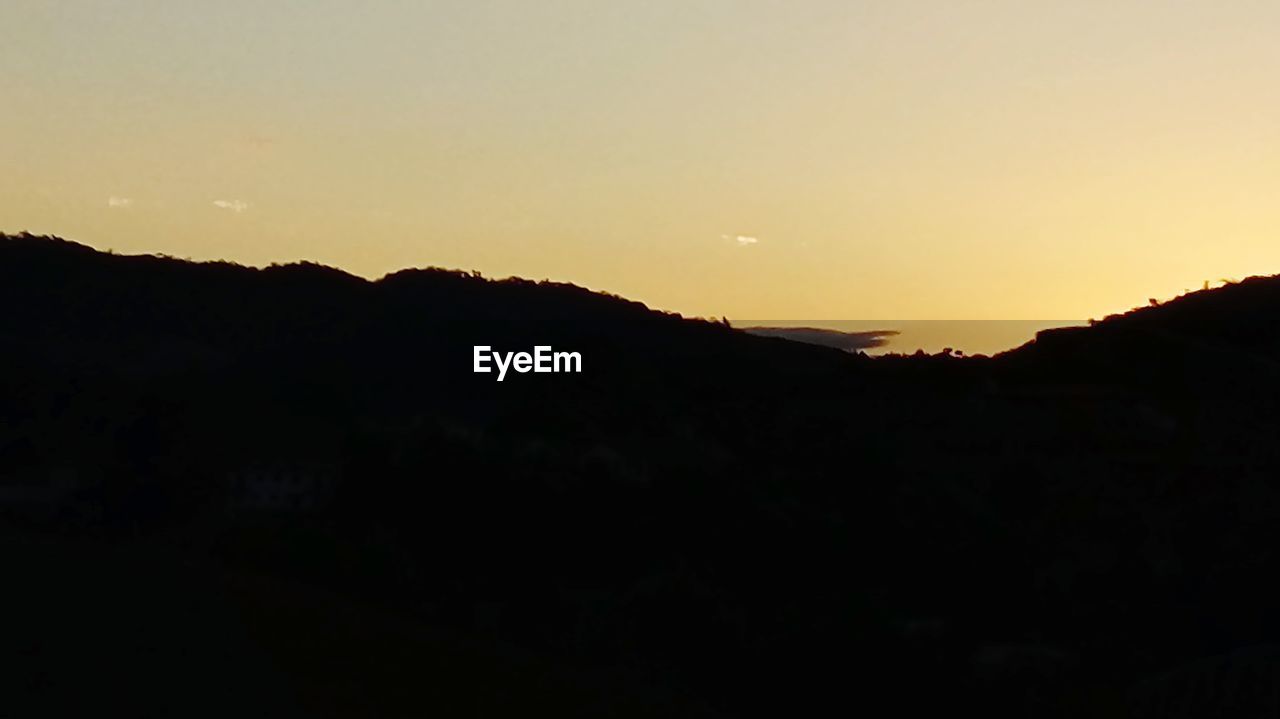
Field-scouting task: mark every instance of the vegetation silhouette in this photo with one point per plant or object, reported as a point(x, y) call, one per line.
point(284, 488)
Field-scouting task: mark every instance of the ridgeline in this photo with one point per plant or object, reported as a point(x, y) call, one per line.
point(702, 522)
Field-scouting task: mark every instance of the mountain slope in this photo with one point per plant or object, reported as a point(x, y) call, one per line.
point(1077, 527)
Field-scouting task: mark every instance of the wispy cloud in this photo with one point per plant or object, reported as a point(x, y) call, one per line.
point(259, 141)
point(742, 240)
point(236, 206)
point(119, 202)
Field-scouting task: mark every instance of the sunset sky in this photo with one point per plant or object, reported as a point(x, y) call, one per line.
point(788, 160)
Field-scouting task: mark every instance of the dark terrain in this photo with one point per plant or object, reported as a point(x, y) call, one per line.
point(282, 492)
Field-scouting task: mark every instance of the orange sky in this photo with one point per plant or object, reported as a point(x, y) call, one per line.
point(800, 160)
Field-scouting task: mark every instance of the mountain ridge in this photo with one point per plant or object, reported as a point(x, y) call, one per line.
point(765, 526)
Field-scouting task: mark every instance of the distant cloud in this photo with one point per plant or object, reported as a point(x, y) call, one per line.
point(236, 206)
point(742, 240)
point(847, 341)
point(119, 202)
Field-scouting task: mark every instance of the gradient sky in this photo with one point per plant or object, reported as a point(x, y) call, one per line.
point(926, 159)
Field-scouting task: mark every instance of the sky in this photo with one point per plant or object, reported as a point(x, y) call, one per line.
point(758, 160)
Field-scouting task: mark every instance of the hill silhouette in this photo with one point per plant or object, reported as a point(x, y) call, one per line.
point(703, 522)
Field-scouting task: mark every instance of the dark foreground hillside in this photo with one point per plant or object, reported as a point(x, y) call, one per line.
point(284, 492)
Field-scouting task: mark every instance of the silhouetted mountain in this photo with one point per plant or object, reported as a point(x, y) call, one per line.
point(848, 341)
point(701, 522)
